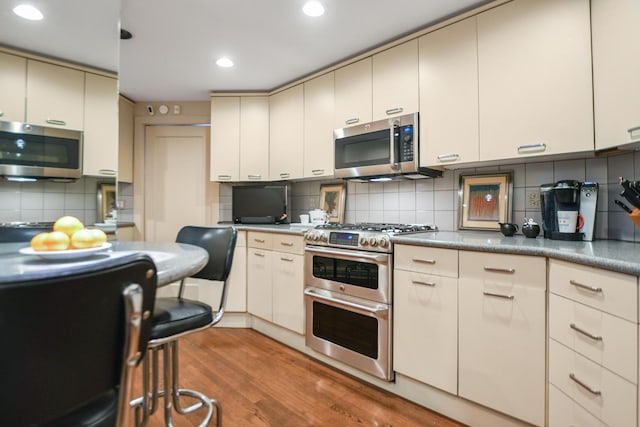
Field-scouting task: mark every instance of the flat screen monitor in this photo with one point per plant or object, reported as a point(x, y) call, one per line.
point(259, 204)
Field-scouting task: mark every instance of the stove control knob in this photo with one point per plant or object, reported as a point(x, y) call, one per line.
point(323, 237)
point(363, 241)
point(373, 242)
point(384, 242)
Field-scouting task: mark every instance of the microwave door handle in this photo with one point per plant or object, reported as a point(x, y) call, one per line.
point(395, 146)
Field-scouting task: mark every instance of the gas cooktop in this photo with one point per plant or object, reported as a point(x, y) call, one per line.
point(380, 227)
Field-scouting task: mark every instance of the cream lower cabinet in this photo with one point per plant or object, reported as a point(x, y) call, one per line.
point(616, 67)
point(275, 278)
point(502, 333)
point(13, 72)
point(425, 307)
point(101, 134)
point(593, 346)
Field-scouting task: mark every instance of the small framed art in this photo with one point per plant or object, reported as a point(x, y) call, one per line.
point(485, 201)
point(332, 200)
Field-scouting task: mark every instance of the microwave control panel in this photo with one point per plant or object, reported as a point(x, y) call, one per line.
point(404, 139)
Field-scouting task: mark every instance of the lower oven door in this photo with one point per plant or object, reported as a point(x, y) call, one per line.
point(349, 329)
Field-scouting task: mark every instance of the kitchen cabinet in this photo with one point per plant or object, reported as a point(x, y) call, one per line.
point(449, 95)
point(55, 96)
point(101, 134)
point(426, 294)
point(239, 138)
point(593, 343)
point(13, 78)
point(502, 333)
point(616, 67)
point(286, 133)
point(395, 81)
point(275, 278)
point(353, 94)
point(125, 140)
point(535, 86)
point(318, 126)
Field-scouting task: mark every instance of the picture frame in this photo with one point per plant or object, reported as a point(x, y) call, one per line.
point(485, 200)
point(332, 201)
point(106, 200)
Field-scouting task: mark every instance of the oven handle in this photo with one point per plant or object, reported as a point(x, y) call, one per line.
point(361, 308)
point(380, 258)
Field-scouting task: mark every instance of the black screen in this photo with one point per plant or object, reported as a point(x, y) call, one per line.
point(259, 204)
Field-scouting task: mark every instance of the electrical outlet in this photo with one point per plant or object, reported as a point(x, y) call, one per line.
point(533, 198)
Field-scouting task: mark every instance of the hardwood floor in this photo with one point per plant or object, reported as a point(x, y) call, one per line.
point(260, 382)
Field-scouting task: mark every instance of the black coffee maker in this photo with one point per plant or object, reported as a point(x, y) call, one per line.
point(569, 195)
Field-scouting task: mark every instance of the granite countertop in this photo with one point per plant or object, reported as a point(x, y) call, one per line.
point(294, 228)
point(615, 255)
point(173, 261)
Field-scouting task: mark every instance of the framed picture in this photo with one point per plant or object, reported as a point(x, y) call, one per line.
point(485, 201)
point(106, 200)
point(332, 200)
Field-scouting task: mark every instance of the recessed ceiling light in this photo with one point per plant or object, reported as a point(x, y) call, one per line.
point(224, 62)
point(29, 12)
point(313, 8)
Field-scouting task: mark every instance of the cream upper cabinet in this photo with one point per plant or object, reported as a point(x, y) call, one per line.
point(101, 132)
point(254, 138)
point(616, 67)
point(125, 146)
point(318, 126)
point(13, 72)
point(286, 133)
point(354, 92)
point(55, 96)
point(395, 81)
point(449, 95)
point(535, 94)
point(225, 139)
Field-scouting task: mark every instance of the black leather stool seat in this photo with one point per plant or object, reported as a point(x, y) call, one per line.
point(100, 412)
point(172, 316)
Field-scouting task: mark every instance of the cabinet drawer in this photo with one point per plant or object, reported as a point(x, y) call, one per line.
point(436, 261)
point(259, 240)
point(601, 392)
point(288, 243)
point(502, 271)
point(601, 337)
point(565, 412)
point(612, 292)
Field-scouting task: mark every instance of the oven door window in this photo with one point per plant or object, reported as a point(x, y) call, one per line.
point(354, 331)
point(357, 273)
point(370, 149)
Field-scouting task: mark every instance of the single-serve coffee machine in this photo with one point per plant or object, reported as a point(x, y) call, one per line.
point(569, 210)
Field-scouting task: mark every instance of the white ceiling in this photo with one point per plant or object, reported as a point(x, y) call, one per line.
point(175, 43)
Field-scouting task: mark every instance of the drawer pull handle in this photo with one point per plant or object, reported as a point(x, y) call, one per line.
point(56, 122)
point(285, 175)
point(110, 172)
point(585, 287)
point(418, 282)
point(254, 176)
point(500, 270)
point(532, 147)
point(394, 110)
point(448, 157)
point(352, 121)
point(258, 240)
point(317, 171)
point(583, 385)
point(286, 243)
point(633, 130)
point(261, 255)
point(286, 259)
point(492, 294)
point(225, 177)
point(585, 333)
point(424, 261)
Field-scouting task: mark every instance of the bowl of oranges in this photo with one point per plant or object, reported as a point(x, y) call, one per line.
point(69, 239)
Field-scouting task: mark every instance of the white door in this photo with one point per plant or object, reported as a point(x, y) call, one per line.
point(177, 188)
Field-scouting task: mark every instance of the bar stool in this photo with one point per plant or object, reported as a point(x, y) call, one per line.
point(70, 343)
point(175, 317)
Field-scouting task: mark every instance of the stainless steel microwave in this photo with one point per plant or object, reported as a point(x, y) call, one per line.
point(381, 150)
point(29, 151)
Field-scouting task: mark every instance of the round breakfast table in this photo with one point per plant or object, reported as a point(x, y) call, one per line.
point(174, 261)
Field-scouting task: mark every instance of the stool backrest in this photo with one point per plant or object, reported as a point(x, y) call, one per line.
point(65, 341)
point(219, 242)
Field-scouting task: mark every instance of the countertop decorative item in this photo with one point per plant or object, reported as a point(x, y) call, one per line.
point(332, 201)
point(508, 229)
point(485, 201)
point(530, 228)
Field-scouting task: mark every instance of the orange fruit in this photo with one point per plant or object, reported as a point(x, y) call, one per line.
point(37, 242)
point(68, 225)
point(56, 241)
point(82, 239)
point(99, 236)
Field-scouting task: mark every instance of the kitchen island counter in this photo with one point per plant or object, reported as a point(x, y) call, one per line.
point(623, 257)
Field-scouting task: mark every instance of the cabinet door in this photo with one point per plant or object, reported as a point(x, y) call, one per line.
point(254, 138)
point(259, 283)
point(237, 293)
point(318, 126)
point(353, 94)
point(101, 132)
point(502, 303)
point(395, 81)
point(616, 67)
point(286, 121)
point(13, 78)
point(55, 96)
point(225, 139)
point(288, 283)
point(449, 95)
point(125, 145)
point(535, 79)
point(426, 353)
